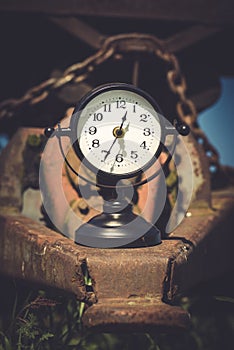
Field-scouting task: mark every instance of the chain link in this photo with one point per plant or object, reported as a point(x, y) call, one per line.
point(114, 46)
point(185, 107)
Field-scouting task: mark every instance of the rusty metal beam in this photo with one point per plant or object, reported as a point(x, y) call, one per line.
point(207, 11)
point(40, 255)
point(190, 36)
point(206, 98)
point(80, 29)
point(131, 289)
point(92, 37)
point(128, 284)
point(135, 315)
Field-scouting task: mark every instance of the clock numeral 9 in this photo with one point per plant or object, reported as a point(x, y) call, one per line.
point(95, 143)
point(121, 104)
point(119, 158)
point(97, 117)
point(92, 130)
point(147, 132)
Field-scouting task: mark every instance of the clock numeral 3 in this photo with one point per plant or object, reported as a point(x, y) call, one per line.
point(147, 132)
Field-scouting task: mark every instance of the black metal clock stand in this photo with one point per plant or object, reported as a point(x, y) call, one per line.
point(117, 225)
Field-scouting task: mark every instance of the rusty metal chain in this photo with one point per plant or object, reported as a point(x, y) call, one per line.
point(115, 46)
point(79, 72)
point(185, 107)
point(73, 74)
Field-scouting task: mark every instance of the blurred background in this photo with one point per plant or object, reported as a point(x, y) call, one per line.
point(38, 42)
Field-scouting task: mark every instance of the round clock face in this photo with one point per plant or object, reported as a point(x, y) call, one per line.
point(117, 130)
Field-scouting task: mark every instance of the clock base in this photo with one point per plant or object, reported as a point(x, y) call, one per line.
point(117, 227)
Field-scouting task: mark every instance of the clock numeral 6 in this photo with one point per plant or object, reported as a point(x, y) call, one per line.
point(95, 143)
point(97, 117)
point(119, 158)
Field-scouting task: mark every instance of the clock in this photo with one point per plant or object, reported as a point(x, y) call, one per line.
point(118, 133)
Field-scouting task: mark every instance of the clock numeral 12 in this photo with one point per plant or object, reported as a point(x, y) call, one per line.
point(121, 104)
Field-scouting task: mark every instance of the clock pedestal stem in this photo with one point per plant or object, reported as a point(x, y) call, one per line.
point(117, 226)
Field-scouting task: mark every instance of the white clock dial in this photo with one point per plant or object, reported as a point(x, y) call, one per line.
point(118, 132)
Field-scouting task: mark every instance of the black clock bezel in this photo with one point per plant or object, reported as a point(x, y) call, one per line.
point(75, 119)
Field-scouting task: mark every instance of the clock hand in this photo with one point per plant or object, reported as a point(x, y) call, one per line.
point(127, 127)
point(120, 128)
point(122, 146)
point(123, 120)
point(108, 152)
point(121, 140)
point(112, 167)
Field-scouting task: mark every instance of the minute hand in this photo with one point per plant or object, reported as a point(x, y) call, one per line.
point(120, 128)
point(123, 120)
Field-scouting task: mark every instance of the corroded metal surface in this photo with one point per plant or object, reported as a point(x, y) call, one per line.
point(128, 284)
point(135, 314)
point(14, 172)
point(33, 252)
point(131, 288)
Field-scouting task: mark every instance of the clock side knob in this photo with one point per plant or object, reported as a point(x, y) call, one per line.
point(49, 131)
point(183, 129)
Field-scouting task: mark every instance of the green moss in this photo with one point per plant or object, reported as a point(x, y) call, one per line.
point(34, 140)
